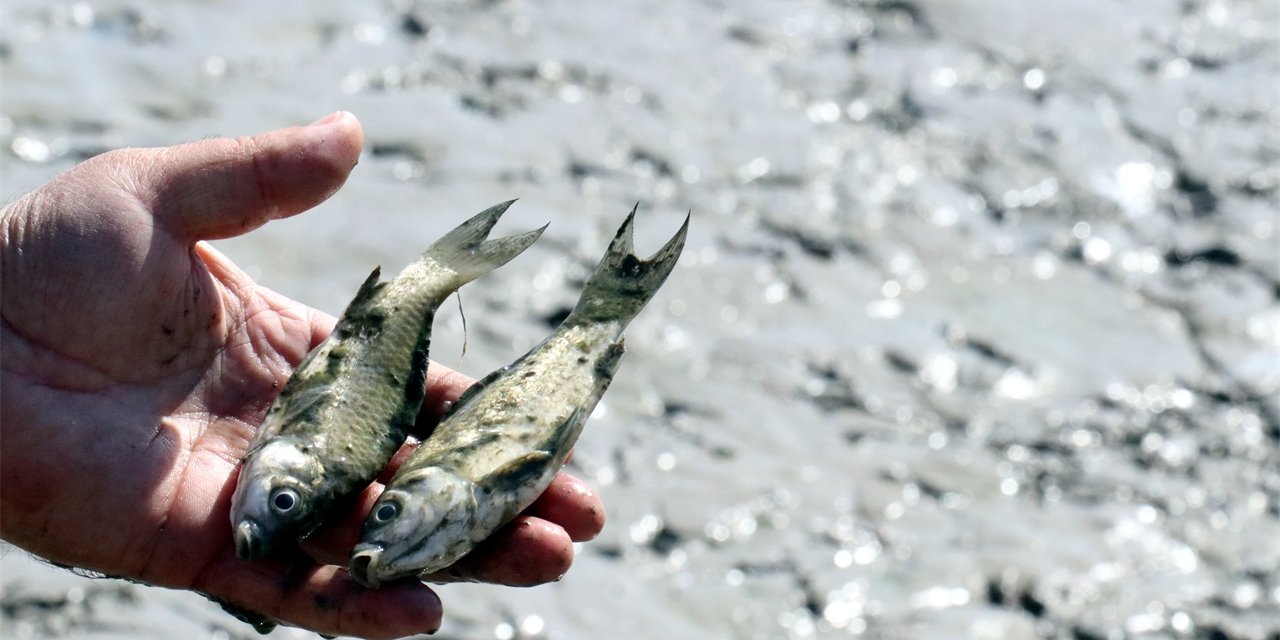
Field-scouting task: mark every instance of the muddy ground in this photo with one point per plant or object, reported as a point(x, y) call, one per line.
point(977, 333)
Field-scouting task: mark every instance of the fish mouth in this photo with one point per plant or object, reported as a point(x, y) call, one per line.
point(250, 540)
point(364, 563)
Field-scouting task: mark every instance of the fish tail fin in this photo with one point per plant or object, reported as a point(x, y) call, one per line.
point(623, 283)
point(470, 254)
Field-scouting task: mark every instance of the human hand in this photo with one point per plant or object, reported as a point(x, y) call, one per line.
point(137, 362)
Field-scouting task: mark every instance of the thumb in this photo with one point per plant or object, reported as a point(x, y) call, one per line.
point(225, 187)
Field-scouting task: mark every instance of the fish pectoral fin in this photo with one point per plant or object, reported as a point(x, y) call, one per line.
point(531, 466)
point(520, 471)
point(292, 405)
point(304, 401)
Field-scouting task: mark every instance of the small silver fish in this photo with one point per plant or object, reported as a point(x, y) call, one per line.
point(352, 400)
point(504, 440)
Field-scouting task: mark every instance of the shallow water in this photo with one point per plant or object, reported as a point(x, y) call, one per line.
point(977, 333)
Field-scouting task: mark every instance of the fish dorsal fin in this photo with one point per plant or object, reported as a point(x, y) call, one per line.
point(568, 431)
point(359, 304)
point(368, 288)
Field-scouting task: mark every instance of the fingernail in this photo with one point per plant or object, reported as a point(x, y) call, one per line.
point(333, 117)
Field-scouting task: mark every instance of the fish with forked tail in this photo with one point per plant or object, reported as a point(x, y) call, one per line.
point(352, 400)
point(503, 441)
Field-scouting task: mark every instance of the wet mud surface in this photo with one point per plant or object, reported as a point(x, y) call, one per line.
point(977, 333)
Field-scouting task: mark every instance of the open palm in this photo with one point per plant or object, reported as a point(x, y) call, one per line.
point(137, 363)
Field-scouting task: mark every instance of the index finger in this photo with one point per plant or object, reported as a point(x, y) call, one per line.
point(444, 386)
point(324, 599)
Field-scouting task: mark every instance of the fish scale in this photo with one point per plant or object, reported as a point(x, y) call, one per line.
point(353, 368)
point(529, 395)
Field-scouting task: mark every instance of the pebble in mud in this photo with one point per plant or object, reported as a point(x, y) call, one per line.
point(976, 333)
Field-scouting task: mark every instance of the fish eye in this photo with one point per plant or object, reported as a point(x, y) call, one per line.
point(387, 511)
point(284, 500)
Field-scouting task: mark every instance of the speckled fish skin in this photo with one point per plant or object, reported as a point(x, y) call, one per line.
point(352, 400)
point(504, 440)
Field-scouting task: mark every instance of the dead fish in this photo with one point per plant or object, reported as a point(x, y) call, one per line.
point(352, 400)
point(504, 440)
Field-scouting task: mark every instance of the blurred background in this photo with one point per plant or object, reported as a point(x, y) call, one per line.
point(977, 333)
